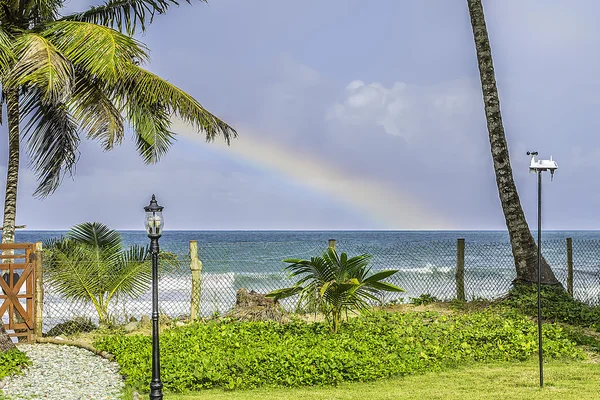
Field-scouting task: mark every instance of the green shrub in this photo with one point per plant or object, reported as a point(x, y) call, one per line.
point(12, 362)
point(423, 300)
point(377, 345)
point(582, 338)
point(557, 305)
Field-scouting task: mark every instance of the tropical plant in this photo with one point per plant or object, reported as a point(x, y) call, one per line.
point(81, 74)
point(523, 245)
point(335, 284)
point(90, 264)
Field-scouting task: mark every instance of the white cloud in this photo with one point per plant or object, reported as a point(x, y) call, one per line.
point(410, 111)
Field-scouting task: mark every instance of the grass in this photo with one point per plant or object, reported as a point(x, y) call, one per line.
point(563, 380)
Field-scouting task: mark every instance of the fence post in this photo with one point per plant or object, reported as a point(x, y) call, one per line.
point(331, 243)
point(196, 268)
point(570, 266)
point(39, 291)
point(460, 269)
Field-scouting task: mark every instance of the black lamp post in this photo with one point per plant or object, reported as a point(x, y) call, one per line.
point(154, 226)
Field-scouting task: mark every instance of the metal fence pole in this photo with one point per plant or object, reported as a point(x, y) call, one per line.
point(570, 266)
point(460, 269)
point(196, 268)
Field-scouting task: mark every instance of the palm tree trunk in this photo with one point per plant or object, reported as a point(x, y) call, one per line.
point(12, 174)
point(523, 245)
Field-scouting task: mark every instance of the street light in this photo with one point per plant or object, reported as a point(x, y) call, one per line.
point(540, 166)
point(154, 226)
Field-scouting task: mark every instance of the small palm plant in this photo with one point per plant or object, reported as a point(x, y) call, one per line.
point(335, 284)
point(90, 264)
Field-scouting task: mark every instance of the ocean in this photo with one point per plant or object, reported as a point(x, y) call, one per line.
point(177, 239)
point(425, 261)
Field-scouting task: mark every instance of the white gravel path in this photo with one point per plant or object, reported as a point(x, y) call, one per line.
point(64, 373)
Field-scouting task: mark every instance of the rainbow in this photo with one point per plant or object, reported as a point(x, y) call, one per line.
point(385, 206)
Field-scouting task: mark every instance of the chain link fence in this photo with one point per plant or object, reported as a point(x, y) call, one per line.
point(423, 268)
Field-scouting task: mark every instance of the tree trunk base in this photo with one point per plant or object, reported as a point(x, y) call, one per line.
point(6, 342)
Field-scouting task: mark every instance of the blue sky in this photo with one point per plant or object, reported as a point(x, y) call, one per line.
point(353, 115)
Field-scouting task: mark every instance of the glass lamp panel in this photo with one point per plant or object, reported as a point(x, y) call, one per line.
point(154, 223)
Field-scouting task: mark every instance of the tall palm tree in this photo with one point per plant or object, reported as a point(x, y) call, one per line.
point(64, 76)
point(523, 245)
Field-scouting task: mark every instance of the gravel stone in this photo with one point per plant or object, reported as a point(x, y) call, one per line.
point(63, 372)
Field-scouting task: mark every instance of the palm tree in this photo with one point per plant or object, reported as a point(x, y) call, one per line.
point(523, 245)
point(62, 77)
point(335, 284)
point(90, 264)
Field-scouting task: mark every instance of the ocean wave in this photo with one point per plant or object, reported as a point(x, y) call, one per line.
point(428, 269)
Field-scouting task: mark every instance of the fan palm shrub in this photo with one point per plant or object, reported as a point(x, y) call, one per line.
point(90, 264)
point(335, 284)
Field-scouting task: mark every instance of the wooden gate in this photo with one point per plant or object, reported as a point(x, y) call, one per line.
point(17, 285)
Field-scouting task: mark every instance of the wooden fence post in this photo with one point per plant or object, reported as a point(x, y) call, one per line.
point(39, 291)
point(196, 268)
point(460, 269)
point(570, 266)
point(331, 243)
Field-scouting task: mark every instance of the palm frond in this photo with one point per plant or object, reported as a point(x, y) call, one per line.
point(151, 126)
point(100, 51)
point(380, 275)
point(40, 64)
point(147, 90)
point(384, 286)
point(284, 293)
point(95, 112)
point(52, 141)
point(125, 15)
point(70, 271)
point(40, 11)
point(95, 234)
point(132, 274)
point(6, 51)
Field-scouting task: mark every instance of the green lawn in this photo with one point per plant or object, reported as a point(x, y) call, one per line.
point(563, 380)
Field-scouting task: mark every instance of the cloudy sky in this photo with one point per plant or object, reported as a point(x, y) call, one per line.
point(353, 115)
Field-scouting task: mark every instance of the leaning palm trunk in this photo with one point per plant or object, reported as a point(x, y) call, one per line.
point(12, 174)
point(523, 246)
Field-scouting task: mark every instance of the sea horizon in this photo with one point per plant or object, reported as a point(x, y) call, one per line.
point(322, 230)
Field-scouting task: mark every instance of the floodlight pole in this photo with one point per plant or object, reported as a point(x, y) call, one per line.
point(539, 280)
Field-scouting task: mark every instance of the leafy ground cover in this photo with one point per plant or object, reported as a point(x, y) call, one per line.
point(247, 355)
point(12, 362)
point(496, 381)
point(557, 306)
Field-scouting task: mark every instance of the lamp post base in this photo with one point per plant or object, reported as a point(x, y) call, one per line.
point(156, 391)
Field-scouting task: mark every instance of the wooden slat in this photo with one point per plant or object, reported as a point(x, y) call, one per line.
point(18, 326)
point(13, 256)
point(13, 266)
point(15, 246)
